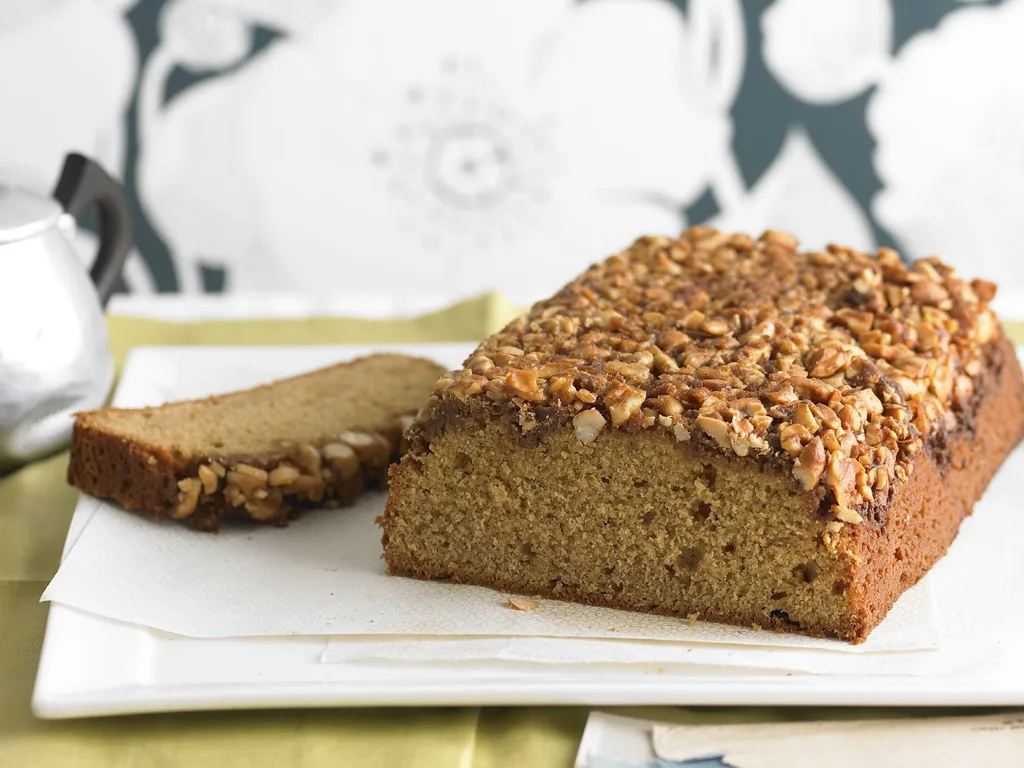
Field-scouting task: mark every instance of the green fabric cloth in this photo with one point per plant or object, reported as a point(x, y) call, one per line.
point(36, 506)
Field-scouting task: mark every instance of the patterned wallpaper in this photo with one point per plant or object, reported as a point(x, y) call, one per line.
point(403, 147)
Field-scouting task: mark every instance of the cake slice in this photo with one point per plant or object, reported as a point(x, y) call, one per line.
point(718, 426)
point(316, 439)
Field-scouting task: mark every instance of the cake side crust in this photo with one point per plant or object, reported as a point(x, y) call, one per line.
point(926, 512)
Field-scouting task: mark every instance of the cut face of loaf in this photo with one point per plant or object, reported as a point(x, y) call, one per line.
point(720, 427)
point(315, 439)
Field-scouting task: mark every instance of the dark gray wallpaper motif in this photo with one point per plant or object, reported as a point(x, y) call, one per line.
point(143, 18)
point(762, 113)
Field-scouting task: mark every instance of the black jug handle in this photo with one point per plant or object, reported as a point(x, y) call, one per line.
point(83, 183)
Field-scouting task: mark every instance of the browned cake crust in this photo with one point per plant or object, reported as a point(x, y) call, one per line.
point(318, 439)
point(926, 512)
point(717, 426)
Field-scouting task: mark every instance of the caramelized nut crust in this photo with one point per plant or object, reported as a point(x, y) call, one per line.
point(331, 473)
point(838, 364)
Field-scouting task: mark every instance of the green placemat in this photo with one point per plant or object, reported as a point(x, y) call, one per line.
point(36, 506)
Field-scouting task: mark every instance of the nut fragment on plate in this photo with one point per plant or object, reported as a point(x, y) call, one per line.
point(523, 604)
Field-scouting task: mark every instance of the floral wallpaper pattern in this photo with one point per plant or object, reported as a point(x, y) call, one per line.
point(454, 146)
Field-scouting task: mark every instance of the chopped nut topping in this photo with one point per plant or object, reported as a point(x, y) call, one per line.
point(810, 464)
point(234, 495)
point(370, 447)
point(208, 478)
point(523, 384)
point(792, 438)
point(805, 417)
point(247, 478)
point(283, 475)
point(188, 498)
point(342, 458)
point(826, 360)
point(623, 403)
point(588, 425)
point(717, 429)
point(984, 290)
point(265, 506)
point(844, 363)
point(307, 458)
point(847, 515)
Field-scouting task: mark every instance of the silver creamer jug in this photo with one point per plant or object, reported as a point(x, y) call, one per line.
point(54, 354)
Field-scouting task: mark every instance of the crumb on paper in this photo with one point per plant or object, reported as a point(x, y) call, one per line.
point(523, 603)
point(756, 627)
point(691, 618)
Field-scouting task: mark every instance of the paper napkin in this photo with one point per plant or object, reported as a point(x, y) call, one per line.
point(626, 742)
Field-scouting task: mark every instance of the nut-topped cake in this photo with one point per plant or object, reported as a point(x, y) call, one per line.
point(318, 439)
point(719, 426)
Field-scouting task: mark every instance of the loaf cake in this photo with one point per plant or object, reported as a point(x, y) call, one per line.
point(264, 453)
point(716, 426)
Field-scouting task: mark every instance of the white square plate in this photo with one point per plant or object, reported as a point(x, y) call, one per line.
point(96, 666)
